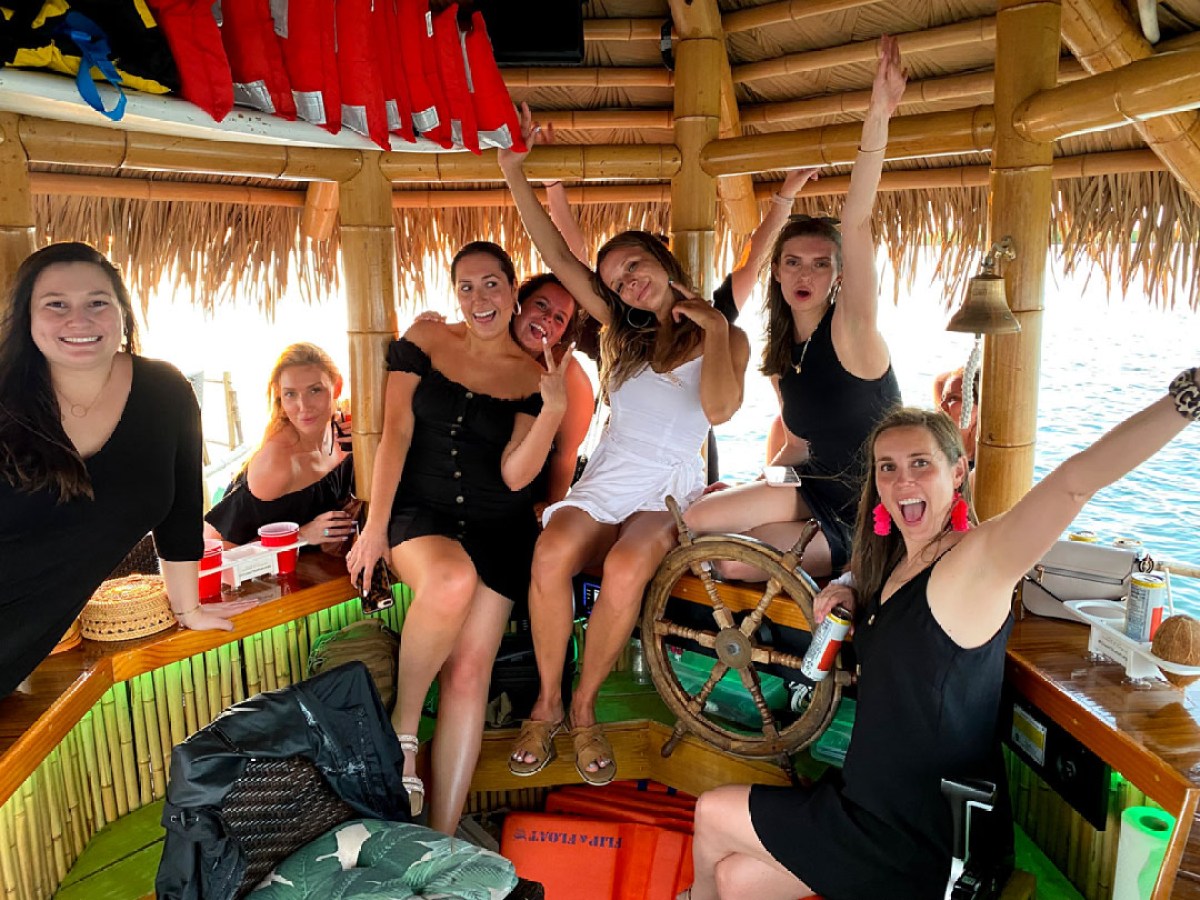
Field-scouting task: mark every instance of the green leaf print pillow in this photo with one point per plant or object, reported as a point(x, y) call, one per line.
point(374, 860)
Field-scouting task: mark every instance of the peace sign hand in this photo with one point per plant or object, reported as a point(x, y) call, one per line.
point(690, 306)
point(553, 386)
point(508, 157)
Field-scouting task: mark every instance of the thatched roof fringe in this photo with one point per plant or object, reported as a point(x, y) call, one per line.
point(216, 253)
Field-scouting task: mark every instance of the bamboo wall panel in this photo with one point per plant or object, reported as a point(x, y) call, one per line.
point(786, 11)
point(16, 207)
point(1027, 48)
point(116, 758)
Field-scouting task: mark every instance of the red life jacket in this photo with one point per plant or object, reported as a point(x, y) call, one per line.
point(431, 116)
point(385, 36)
point(306, 31)
point(195, 42)
point(452, 67)
point(360, 71)
point(495, 115)
point(260, 80)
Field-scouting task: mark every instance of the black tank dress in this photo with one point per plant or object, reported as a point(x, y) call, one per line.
point(451, 483)
point(239, 514)
point(835, 412)
point(927, 710)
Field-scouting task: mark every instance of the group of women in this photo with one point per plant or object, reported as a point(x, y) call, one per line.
point(483, 420)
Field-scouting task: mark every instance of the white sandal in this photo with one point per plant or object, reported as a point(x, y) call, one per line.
point(412, 784)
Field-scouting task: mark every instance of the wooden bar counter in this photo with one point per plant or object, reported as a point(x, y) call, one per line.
point(1151, 736)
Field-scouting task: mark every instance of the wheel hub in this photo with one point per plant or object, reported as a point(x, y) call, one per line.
point(733, 648)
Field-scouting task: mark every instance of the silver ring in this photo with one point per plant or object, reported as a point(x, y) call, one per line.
point(326, 532)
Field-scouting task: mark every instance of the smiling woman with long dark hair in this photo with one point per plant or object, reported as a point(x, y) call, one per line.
point(98, 446)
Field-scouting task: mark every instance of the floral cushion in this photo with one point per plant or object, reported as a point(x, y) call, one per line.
point(369, 858)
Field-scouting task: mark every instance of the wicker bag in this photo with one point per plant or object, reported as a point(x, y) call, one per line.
point(126, 608)
point(369, 641)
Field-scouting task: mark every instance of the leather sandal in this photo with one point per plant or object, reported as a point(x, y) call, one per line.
point(412, 783)
point(537, 740)
point(591, 746)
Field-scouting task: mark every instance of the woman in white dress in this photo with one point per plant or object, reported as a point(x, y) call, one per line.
point(671, 367)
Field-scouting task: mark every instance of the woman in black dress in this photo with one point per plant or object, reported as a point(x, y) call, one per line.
point(98, 446)
point(301, 473)
point(465, 433)
point(931, 625)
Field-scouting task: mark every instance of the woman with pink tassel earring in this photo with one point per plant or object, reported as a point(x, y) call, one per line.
point(933, 614)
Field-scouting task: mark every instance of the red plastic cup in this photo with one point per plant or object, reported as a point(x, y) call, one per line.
point(280, 534)
point(210, 585)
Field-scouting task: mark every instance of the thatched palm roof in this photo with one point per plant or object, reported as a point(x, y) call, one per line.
point(794, 66)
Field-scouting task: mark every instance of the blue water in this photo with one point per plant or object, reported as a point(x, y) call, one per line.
point(1101, 362)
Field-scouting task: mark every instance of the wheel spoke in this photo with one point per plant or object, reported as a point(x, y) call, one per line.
point(696, 704)
point(764, 656)
point(751, 622)
point(720, 612)
point(670, 629)
point(752, 684)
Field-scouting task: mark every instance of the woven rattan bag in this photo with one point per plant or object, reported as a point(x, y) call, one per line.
point(369, 641)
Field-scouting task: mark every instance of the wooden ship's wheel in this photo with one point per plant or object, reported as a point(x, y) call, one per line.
point(737, 641)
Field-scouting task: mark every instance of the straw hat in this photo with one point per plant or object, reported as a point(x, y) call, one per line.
point(125, 608)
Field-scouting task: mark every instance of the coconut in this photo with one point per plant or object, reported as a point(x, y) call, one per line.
point(1178, 640)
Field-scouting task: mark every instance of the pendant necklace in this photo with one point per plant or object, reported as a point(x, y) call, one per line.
point(797, 366)
point(79, 410)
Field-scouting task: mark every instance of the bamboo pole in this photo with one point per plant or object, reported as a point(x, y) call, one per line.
point(1027, 47)
point(1155, 86)
point(699, 53)
point(320, 210)
point(945, 37)
point(16, 209)
point(786, 11)
point(112, 731)
point(606, 119)
point(622, 29)
point(57, 183)
point(974, 86)
point(517, 79)
point(563, 161)
point(368, 239)
point(63, 143)
point(955, 131)
point(125, 728)
point(1103, 36)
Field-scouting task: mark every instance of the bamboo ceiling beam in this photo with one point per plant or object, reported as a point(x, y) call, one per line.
point(1103, 36)
point(786, 11)
point(932, 134)
point(16, 207)
point(1148, 88)
point(638, 162)
point(622, 29)
point(976, 86)
point(320, 214)
point(57, 183)
point(606, 119)
point(591, 77)
point(960, 33)
point(111, 150)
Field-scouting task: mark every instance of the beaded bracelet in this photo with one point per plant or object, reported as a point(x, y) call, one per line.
point(186, 612)
point(1186, 394)
point(782, 200)
point(862, 149)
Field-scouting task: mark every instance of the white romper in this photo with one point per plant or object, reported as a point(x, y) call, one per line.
point(649, 449)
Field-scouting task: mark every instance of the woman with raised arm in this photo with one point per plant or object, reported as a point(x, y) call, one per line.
point(300, 473)
point(468, 422)
point(98, 446)
point(827, 360)
point(671, 366)
point(932, 620)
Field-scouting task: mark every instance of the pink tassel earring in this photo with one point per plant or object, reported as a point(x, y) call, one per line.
point(883, 520)
point(959, 518)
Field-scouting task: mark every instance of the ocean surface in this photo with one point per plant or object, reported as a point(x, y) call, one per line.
point(1102, 360)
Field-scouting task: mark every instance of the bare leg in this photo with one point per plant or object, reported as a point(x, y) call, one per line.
point(772, 514)
point(645, 539)
point(729, 859)
point(462, 700)
point(570, 542)
point(443, 581)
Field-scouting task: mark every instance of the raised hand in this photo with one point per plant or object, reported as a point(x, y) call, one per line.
point(553, 386)
point(430, 315)
point(690, 306)
point(796, 179)
point(510, 158)
point(832, 595)
point(890, 78)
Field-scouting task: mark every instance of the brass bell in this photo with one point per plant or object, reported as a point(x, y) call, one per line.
point(985, 309)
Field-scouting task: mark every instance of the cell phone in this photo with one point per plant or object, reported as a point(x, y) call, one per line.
point(781, 476)
point(378, 594)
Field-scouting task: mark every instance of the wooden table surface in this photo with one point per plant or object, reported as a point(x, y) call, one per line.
point(1150, 735)
point(47, 705)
